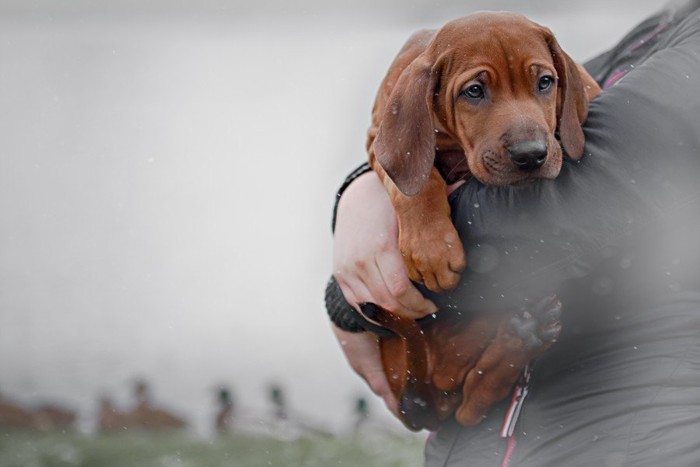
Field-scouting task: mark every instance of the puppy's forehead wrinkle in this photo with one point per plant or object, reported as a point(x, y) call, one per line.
point(489, 37)
point(506, 54)
point(495, 62)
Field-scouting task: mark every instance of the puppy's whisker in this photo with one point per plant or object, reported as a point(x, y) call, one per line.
point(455, 168)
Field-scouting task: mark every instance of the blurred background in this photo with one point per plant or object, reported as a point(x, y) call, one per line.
point(167, 175)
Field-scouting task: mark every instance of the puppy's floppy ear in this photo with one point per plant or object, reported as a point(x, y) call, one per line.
point(405, 142)
point(572, 100)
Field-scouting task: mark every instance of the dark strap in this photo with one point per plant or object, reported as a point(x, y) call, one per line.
point(345, 316)
point(363, 169)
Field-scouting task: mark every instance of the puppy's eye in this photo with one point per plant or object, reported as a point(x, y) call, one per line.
point(474, 91)
point(545, 83)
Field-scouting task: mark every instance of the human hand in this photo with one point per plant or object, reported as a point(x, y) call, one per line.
point(362, 352)
point(367, 262)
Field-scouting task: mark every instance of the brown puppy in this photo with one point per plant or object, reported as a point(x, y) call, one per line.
point(457, 365)
point(484, 96)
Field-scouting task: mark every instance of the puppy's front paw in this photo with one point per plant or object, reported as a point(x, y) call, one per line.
point(434, 256)
point(539, 327)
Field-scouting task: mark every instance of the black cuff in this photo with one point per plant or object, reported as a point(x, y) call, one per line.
point(346, 317)
point(363, 169)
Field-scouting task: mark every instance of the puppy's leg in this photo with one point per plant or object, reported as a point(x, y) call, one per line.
point(520, 338)
point(430, 245)
point(406, 364)
point(456, 346)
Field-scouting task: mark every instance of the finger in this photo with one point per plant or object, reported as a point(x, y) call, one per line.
point(361, 349)
point(380, 386)
point(412, 303)
point(370, 288)
point(361, 294)
point(363, 354)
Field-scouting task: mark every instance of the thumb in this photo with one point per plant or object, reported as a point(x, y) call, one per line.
point(362, 352)
point(380, 386)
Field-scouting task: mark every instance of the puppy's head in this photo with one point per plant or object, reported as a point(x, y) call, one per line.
point(497, 84)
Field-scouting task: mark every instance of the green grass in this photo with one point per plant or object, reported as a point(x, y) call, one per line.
point(18, 449)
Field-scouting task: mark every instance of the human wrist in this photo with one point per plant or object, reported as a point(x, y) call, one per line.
point(344, 316)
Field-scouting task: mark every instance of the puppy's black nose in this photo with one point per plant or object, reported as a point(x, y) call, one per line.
point(528, 155)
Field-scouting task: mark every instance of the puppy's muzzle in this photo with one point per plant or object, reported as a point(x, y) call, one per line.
point(528, 155)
